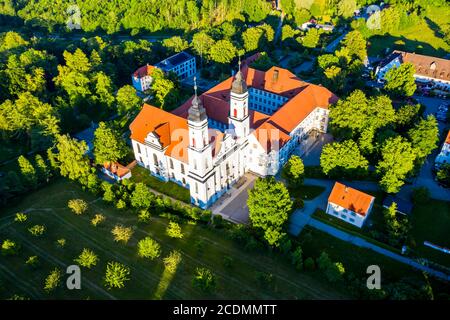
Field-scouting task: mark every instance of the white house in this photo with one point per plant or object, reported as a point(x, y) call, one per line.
point(429, 70)
point(142, 78)
point(444, 156)
point(183, 64)
point(349, 205)
point(248, 123)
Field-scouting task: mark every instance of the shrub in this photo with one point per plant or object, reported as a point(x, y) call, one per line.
point(265, 280)
point(122, 233)
point(32, 261)
point(174, 230)
point(121, 204)
point(20, 217)
point(172, 261)
point(148, 248)
point(37, 230)
point(218, 221)
point(144, 216)
point(204, 280)
point(309, 264)
point(116, 275)
point(53, 280)
point(9, 247)
point(420, 195)
point(297, 258)
point(61, 243)
point(98, 219)
point(78, 206)
point(87, 258)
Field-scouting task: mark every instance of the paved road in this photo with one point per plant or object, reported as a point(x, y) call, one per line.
point(357, 241)
point(333, 45)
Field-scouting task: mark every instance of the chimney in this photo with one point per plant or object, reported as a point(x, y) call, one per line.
point(275, 76)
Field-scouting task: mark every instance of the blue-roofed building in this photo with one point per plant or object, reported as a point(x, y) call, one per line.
point(403, 206)
point(183, 64)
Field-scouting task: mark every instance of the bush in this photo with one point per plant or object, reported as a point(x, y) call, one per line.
point(174, 230)
point(10, 248)
point(78, 206)
point(37, 230)
point(297, 258)
point(116, 275)
point(61, 243)
point(148, 248)
point(218, 221)
point(32, 261)
point(144, 216)
point(122, 233)
point(53, 280)
point(420, 195)
point(87, 258)
point(172, 261)
point(204, 280)
point(20, 217)
point(98, 219)
point(265, 280)
point(309, 264)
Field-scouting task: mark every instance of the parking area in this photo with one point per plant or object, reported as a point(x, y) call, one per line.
point(233, 204)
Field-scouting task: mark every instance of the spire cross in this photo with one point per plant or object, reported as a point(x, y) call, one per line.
point(195, 85)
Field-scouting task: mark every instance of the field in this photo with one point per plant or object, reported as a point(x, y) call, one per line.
point(423, 37)
point(149, 280)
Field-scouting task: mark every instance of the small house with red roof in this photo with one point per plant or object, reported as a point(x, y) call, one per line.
point(142, 78)
point(350, 205)
point(250, 122)
point(116, 171)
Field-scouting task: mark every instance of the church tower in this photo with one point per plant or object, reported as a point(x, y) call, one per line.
point(199, 151)
point(238, 119)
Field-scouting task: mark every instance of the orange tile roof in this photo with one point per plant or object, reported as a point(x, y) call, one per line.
point(165, 125)
point(144, 71)
point(427, 66)
point(447, 140)
point(351, 199)
point(257, 118)
point(116, 168)
point(270, 137)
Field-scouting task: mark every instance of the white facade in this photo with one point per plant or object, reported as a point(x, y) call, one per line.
point(444, 156)
point(348, 215)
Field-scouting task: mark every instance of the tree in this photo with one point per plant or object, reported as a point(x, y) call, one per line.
point(37, 230)
point(20, 217)
point(201, 44)
point(172, 261)
point(174, 230)
point(175, 44)
point(98, 219)
point(346, 8)
point(73, 161)
point(294, 171)
point(424, 136)
point(223, 51)
point(333, 270)
point(287, 32)
point(252, 38)
point(164, 89)
point(297, 258)
point(87, 258)
point(397, 228)
point(397, 161)
point(122, 233)
point(78, 206)
point(343, 158)
point(116, 275)
point(42, 170)
point(356, 45)
point(334, 78)
point(311, 39)
point(148, 248)
point(27, 171)
point(406, 114)
point(142, 197)
point(204, 280)
point(400, 81)
point(443, 174)
point(53, 280)
point(109, 147)
point(269, 205)
point(9, 247)
point(128, 101)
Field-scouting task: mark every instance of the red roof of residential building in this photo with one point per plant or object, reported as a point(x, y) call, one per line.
point(144, 71)
point(116, 168)
point(447, 140)
point(427, 66)
point(350, 199)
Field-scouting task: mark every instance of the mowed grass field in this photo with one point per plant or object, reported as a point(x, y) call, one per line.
point(422, 38)
point(149, 280)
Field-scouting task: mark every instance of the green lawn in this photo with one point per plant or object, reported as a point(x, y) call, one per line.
point(431, 222)
point(421, 38)
point(48, 206)
point(306, 192)
point(140, 174)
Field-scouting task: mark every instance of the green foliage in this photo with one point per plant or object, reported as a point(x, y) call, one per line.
point(443, 174)
point(269, 205)
point(406, 114)
point(172, 261)
point(343, 158)
point(116, 275)
point(424, 136)
point(141, 197)
point(309, 264)
point(175, 44)
point(122, 233)
point(201, 44)
point(174, 230)
point(9, 247)
point(109, 146)
point(287, 32)
point(333, 271)
point(27, 171)
point(223, 51)
point(397, 227)
point(397, 162)
point(294, 171)
point(204, 280)
point(127, 100)
point(228, 262)
point(148, 248)
point(20, 217)
point(42, 170)
point(356, 45)
point(61, 243)
point(98, 219)
point(87, 258)
point(311, 39)
point(297, 258)
point(37, 230)
point(53, 280)
point(265, 280)
point(78, 206)
point(400, 81)
point(32, 262)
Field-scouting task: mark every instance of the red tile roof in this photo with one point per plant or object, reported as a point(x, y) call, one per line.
point(144, 71)
point(427, 66)
point(351, 199)
point(447, 140)
point(116, 168)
